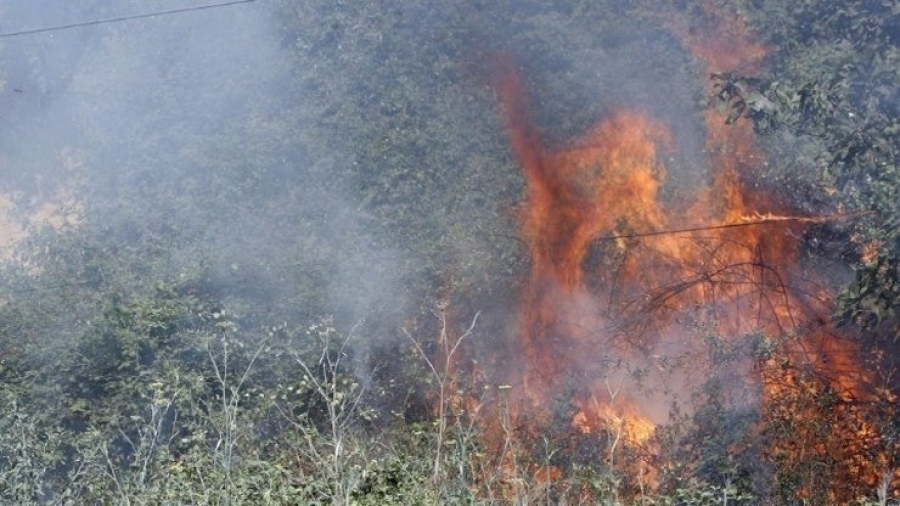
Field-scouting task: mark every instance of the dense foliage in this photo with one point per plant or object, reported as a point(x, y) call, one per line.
point(831, 101)
point(245, 311)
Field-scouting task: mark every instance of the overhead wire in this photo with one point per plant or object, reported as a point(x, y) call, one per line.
point(124, 18)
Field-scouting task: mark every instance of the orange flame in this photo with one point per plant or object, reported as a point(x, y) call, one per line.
point(608, 183)
point(614, 269)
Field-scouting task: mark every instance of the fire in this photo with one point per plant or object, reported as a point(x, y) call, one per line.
point(608, 179)
point(615, 271)
point(620, 280)
point(606, 185)
point(623, 423)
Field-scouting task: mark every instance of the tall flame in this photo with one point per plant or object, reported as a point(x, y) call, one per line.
point(615, 271)
point(620, 281)
point(604, 187)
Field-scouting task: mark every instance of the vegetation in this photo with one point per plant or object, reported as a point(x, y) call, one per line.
point(832, 97)
point(280, 265)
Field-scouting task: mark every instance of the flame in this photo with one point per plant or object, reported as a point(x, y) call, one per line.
point(720, 40)
point(607, 179)
point(622, 422)
point(615, 270)
point(607, 183)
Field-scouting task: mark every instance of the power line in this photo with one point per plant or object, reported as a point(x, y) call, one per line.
point(124, 18)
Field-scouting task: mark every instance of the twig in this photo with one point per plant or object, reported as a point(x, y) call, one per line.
point(443, 379)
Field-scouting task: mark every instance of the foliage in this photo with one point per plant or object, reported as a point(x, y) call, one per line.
point(708, 495)
point(831, 98)
point(874, 297)
point(713, 452)
point(173, 348)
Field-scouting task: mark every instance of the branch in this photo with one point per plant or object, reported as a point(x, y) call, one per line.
point(762, 220)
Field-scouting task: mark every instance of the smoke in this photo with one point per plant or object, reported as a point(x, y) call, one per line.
point(320, 159)
point(300, 159)
point(198, 131)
